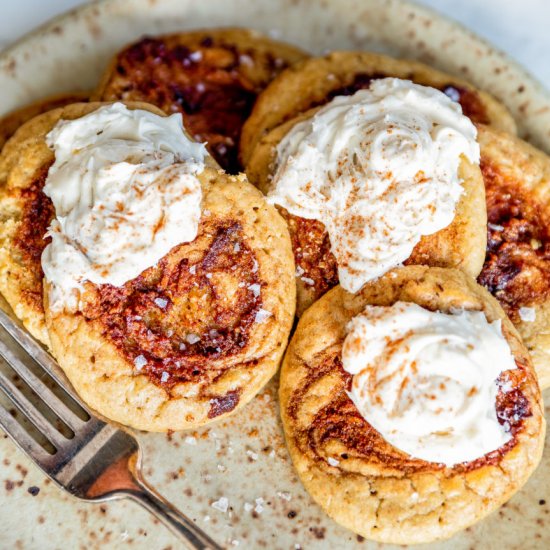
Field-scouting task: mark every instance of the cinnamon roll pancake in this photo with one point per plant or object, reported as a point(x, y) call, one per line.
point(316, 81)
point(210, 76)
point(411, 409)
point(168, 285)
point(369, 181)
point(26, 213)
point(517, 264)
point(12, 121)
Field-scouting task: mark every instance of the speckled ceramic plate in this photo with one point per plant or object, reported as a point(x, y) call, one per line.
point(244, 459)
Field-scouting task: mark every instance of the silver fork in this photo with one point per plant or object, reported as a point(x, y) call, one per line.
point(100, 462)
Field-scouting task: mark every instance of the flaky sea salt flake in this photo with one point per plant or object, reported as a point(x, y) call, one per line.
point(246, 60)
point(255, 289)
point(527, 314)
point(222, 504)
point(262, 315)
point(140, 361)
point(259, 508)
point(161, 302)
point(192, 338)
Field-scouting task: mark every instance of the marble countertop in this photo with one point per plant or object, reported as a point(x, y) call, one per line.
point(518, 28)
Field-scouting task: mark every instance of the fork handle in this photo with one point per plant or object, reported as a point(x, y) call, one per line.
point(191, 535)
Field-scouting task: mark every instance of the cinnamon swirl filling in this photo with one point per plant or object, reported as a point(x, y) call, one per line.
point(30, 238)
point(181, 320)
point(517, 263)
point(185, 318)
point(209, 85)
point(335, 435)
point(316, 265)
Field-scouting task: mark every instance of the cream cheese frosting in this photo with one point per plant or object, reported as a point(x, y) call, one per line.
point(379, 169)
point(428, 381)
point(125, 190)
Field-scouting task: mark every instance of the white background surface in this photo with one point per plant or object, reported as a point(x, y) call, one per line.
point(519, 27)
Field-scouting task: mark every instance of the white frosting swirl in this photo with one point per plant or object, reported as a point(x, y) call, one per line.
point(427, 381)
point(379, 169)
point(125, 192)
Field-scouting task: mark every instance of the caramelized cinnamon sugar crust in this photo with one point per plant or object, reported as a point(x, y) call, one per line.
point(179, 315)
point(212, 79)
point(469, 100)
point(517, 264)
point(30, 238)
point(316, 266)
point(339, 422)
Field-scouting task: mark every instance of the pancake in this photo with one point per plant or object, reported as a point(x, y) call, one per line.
point(360, 480)
point(211, 76)
point(191, 339)
point(461, 244)
point(315, 81)
point(211, 320)
point(517, 264)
